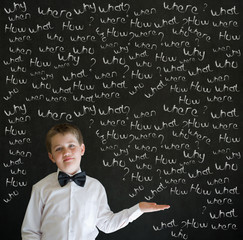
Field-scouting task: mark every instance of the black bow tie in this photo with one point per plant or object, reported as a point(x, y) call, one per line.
point(78, 178)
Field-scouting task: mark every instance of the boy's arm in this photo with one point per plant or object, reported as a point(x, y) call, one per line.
point(110, 222)
point(31, 225)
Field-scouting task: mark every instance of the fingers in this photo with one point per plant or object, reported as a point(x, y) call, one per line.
point(162, 207)
point(155, 207)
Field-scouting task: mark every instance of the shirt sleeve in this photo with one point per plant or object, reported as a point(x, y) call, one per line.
point(31, 225)
point(109, 222)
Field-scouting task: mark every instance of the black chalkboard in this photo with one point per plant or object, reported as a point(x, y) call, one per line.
point(156, 88)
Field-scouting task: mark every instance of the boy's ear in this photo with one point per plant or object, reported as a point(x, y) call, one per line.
point(82, 149)
point(51, 157)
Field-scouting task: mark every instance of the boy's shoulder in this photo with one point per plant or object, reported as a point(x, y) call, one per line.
point(93, 181)
point(48, 180)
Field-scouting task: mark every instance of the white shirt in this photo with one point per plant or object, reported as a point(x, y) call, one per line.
point(71, 212)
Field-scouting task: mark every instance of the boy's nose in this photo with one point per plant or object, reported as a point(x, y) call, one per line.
point(66, 152)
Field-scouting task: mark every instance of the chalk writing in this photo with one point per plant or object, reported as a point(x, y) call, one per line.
point(158, 86)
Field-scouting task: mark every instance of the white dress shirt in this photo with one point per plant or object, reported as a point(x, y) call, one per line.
point(71, 212)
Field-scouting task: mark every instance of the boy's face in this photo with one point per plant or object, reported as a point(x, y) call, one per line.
point(66, 152)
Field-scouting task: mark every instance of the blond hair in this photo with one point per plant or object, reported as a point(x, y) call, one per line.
point(63, 128)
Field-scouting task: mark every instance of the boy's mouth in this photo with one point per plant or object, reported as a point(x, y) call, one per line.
point(68, 159)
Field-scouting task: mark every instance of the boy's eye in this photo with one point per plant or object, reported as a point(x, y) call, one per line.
point(58, 149)
point(72, 146)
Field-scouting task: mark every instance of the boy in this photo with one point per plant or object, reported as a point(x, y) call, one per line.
point(68, 204)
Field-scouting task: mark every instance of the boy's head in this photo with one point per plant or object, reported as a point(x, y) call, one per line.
point(63, 129)
point(65, 147)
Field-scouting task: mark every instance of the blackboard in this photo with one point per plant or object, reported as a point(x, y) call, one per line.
point(155, 87)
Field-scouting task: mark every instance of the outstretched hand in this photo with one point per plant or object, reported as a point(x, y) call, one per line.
point(152, 207)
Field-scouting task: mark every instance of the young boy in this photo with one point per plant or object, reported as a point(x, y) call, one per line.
point(68, 204)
